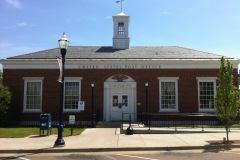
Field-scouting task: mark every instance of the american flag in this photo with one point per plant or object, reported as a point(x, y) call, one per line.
point(60, 68)
point(119, 1)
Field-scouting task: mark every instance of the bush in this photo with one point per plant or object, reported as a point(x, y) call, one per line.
point(5, 100)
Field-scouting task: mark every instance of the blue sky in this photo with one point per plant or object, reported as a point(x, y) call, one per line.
point(207, 25)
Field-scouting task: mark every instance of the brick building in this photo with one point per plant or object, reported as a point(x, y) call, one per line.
point(163, 79)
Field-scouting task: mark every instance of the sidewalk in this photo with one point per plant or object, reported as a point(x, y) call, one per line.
point(110, 139)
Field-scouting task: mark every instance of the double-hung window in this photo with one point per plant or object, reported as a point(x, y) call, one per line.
point(121, 28)
point(168, 91)
point(72, 94)
point(32, 94)
point(206, 93)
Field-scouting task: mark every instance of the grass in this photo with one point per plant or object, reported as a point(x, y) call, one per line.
point(222, 126)
point(24, 132)
point(235, 126)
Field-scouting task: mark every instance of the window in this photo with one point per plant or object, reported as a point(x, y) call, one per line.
point(32, 94)
point(121, 28)
point(206, 93)
point(124, 100)
point(120, 101)
point(72, 89)
point(168, 94)
point(115, 101)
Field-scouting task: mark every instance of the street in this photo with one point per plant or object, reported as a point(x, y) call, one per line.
point(233, 154)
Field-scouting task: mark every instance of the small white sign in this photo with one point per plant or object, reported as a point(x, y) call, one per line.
point(71, 119)
point(81, 105)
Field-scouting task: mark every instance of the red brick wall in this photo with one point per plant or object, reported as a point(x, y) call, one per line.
point(187, 86)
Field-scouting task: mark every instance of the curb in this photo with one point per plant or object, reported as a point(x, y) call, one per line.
point(62, 150)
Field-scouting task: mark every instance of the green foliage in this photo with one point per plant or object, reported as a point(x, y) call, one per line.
point(227, 101)
point(5, 101)
point(5, 98)
point(1, 75)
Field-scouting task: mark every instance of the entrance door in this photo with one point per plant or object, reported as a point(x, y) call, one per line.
point(119, 105)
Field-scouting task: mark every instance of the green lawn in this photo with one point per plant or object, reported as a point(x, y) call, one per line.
point(24, 132)
point(235, 126)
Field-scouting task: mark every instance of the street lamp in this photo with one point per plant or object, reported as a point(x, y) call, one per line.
point(63, 45)
point(92, 85)
point(146, 86)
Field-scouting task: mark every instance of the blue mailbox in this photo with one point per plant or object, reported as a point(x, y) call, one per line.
point(45, 123)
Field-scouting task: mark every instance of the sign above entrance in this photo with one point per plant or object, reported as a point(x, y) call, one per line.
point(120, 66)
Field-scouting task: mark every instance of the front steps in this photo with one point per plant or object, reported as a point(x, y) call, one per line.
point(102, 124)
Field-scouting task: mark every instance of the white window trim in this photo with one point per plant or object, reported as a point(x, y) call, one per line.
point(32, 79)
point(168, 79)
point(206, 79)
point(72, 79)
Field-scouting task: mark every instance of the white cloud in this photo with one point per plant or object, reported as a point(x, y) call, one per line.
point(108, 17)
point(165, 13)
point(14, 3)
point(23, 49)
point(4, 45)
point(22, 24)
point(19, 25)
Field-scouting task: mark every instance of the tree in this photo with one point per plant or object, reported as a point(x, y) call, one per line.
point(1, 74)
point(238, 80)
point(5, 99)
point(227, 101)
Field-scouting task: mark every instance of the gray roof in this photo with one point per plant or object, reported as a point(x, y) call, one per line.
point(138, 52)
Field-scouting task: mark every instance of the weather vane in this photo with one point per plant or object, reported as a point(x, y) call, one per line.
point(121, 3)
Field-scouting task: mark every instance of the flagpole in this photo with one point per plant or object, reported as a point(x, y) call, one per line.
point(121, 4)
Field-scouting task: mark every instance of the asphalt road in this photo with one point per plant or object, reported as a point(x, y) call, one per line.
point(146, 155)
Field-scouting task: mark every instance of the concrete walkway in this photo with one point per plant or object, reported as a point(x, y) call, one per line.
point(110, 139)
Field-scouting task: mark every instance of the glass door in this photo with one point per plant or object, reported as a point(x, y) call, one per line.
point(119, 105)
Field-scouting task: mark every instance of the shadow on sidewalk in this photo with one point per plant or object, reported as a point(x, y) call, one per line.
point(37, 136)
point(217, 148)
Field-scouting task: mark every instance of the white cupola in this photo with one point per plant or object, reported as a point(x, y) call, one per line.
point(120, 31)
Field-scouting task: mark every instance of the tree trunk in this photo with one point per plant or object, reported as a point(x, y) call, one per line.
point(227, 132)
